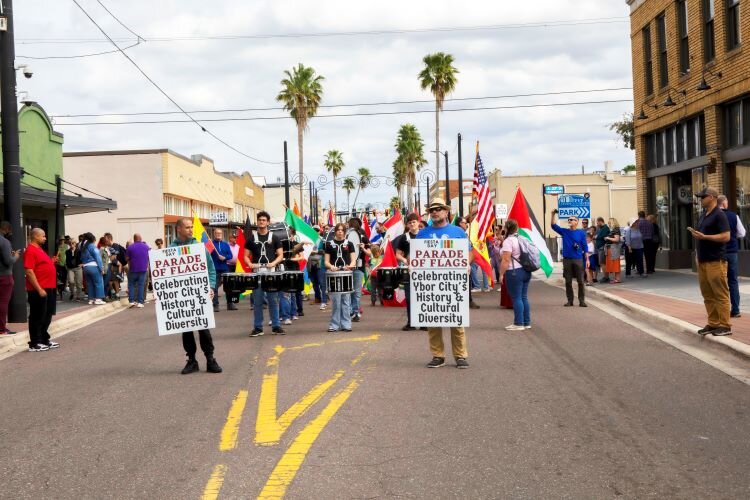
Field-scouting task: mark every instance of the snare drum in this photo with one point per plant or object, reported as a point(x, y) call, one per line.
point(250, 281)
point(388, 277)
point(232, 282)
point(402, 275)
point(293, 281)
point(340, 281)
point(270, 282)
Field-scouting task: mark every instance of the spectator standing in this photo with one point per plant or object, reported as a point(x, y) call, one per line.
point(613, 250)
point(657, 240)
point(137, 257)
point(634, 241)
point(221, 256)
point(593, 267)
point(516, 278)
point(106, 272)
point(736, 231)
point(62, 271)
point(496, 255)
point(322, 271)
point(8, 258)
point(235, 252)
point(575, 257)
point(41, 281)
point(313, 265)
point(93, 270)
point(159, 243)
point(650, 241)
point(361, 253)
point(712, 235)
point(75, 271)
point(372, 283)
point(602, 231)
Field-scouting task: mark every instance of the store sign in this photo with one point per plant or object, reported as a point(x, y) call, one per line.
point(501, 211)
point(574, 205)
point(554, 189)
point(219, 218)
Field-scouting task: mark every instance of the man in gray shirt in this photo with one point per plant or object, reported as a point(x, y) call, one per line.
point(8, 257)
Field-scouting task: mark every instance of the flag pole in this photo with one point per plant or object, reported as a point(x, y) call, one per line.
point(460, 180)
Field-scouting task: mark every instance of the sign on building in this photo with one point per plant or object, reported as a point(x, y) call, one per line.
point(179, 276)
point(439, 278)
point(554, 189)
point(574, 205)
point(219, 218)
point(501, 211)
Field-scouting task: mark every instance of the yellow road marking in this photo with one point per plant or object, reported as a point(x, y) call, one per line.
point(232, 426)
point(286, 468)
point(337, 341)
point(213, 486)
point(359, 358)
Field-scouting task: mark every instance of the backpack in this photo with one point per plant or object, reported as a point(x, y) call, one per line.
point(530, 259)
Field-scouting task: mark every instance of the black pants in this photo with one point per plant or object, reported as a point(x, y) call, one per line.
point(219, 274)
point(41, 310)
point(407, 292)
point(649, 250)
point(629, 261)
point(207, 344)
point(573, 268)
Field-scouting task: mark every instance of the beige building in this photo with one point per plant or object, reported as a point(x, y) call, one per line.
point(613, 194)
point(275, 200)
point(248, 196)
point(153, 188)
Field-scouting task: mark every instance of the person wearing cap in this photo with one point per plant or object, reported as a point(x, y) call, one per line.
point(736, 231)
point(711, 237)
point(575, 257)
point(440, 229)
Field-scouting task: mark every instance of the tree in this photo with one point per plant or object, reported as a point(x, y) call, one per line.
point(629, 168)
point(399, 177)
point(395, 203)
point(349, 185)
point(365, 178)
point(334, 163)
point(301, 93)
point(624, 128)
point(439, 75)
point(410, 157)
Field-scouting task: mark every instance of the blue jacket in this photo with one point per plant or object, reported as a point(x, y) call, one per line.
point(570, 238)
point(91, 254)
point(223, 249)
point(732, 245)
point(211, 269)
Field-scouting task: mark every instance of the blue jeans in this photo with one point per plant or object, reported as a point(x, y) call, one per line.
point(216, 288)
point(341, 318)
point(517, 281)
point(734, 286)
point(136, 284)
point(473, 276)
point(356, 295)
point(479, 278)
point(288, 305)
point(273, 308)
point(637, 256)
point(94, 282)
point(323, 285)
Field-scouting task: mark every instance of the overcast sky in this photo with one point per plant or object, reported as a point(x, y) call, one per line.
point(215, 74)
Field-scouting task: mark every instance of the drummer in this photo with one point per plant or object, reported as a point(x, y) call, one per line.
point(401, 244)
point(340, 256)
point(266, 252)
point(361, 254)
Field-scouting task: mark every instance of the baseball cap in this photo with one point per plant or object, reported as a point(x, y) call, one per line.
point(707, 191)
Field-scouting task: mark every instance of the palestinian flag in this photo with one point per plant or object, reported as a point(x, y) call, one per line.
point(529, 228)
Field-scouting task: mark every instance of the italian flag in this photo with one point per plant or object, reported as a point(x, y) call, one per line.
point(528, 227)
point(308, 236)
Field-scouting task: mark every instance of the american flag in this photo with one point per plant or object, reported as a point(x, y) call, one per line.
point(485, 213)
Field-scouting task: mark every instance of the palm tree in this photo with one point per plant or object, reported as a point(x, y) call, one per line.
point(399, 177)
point(365, 178)
point(334, 163)
point(349, 185)
point(410, 151)
point(439, 75)
point(301, 94)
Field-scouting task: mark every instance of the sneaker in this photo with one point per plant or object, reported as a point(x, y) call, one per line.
point(568, 304)
point(231, 307)
point(462, 363)
point(52, 344)
point(527, 327)
point(736, 315)
point(706, 330)
point(295, 318)
point(278, 330)
point(476, 290)
point(322, 307)
point(38, 348)
point(331, 330)
point(216, 308)
point(436, 362)
point(140, 306)
point(132, 304)
point(408, 328)
point(257, 332)
point(582, 304)
point(91, 302)
point(270, 322)
point(212, 366)
point(99, 302)
point(515, 327)
point(721, 331)
point(347, 330)
point(486, 290)
point(356, 318)
point(287, 321)
point(190, 367)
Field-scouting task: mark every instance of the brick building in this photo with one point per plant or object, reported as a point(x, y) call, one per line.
point(691, 86)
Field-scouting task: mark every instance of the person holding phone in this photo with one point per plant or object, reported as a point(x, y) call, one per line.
point(575, 257)
point(8, 258)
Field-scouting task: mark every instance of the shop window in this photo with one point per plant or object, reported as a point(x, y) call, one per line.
point(680, 147)
point(709, 47)
point(661, 208)
point(682, 27)
point(669, 133)
point(733, 124)
point(648, 63)
point(733, 24)
point(661, 28)
point(650, 151)
point(659, 149)
point(740, 187)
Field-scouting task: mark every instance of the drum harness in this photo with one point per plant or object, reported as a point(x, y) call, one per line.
point(263, 254)
point(339, 255)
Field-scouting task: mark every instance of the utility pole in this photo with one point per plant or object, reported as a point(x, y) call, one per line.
point(447, 181)
point(58, 185)
point(460, 181)
point(311, 202)
point(428, 191)
point(11, 162)
point(286, 179)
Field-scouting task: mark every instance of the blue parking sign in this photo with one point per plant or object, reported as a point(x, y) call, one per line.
point(574, 205)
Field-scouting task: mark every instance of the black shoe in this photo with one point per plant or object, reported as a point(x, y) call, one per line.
point(721, 331)
point(568, 304)
point(706, 330)
point(735, 315)
point(190, 367)
point(300, 314)
point(582, 304)
point(436, 362)
point(408, 328)
point(9, 332)
point(231, 307)
point(473, 305)
point(595, 280)
point(216, 308)
point(423, 328)
point(212, 366)
point(356, 318)
point(278, 330)
point(257, 332)
point(462, 363)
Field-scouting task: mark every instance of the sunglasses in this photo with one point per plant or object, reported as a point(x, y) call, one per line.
point(436, 209)
point(570, 221)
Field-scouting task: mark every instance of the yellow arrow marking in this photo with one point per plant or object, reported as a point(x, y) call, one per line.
point(286, 468)
point(232, 426)
point(213, 486)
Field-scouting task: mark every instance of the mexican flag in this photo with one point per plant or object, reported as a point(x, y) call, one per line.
point(529, 228)
point(308, 236)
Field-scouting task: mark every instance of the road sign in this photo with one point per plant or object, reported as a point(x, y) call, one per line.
point(501, 211)
point(554, 189)
point(574, 205)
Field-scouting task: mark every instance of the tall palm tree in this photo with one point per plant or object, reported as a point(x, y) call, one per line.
point(301, 93)
point(349, 185)
point(410, 152)
point(439, 75)
point(399, 177)
point(364, 180)
point(334, 163)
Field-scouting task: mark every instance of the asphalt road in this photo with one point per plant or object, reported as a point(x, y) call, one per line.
point(580, 406)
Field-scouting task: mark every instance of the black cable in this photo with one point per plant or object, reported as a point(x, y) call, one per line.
point(79, 55)
point(341, 115)
point(26, 172)
point(32, 187)
point(167, 95)
point(139, 37)
point(87, 190)
point(383, 103)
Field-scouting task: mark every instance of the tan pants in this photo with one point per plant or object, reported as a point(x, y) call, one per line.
point(458, 341)
point(712, 278)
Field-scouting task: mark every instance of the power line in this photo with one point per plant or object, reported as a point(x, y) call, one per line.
point(362, 104)
point(167, 95)
point(492, 27)
point(139, 37)
point(87, 190)
point(79, 56)
point(342, 115)
point(53, 184)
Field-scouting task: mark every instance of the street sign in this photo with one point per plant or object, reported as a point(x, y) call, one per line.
point(501, 211)
point(574, 205)
point(554, 189)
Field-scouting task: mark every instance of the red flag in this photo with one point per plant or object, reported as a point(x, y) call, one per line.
point(366, 226)
point(389, 260)
point(240, 266)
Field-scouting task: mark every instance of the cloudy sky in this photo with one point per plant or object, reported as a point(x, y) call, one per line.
point(208, 56)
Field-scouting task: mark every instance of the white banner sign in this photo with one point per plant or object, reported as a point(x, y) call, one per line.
point(501, 211)
point(439, 282)
point(181, 288)
point(219, 218)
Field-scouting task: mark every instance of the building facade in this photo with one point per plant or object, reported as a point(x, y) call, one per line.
point(248, 197)
point(691, 87)
point(274, 197)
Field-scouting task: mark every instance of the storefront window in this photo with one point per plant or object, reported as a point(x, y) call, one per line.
point(661, 208)
point(740, 186)
point(699, 182)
